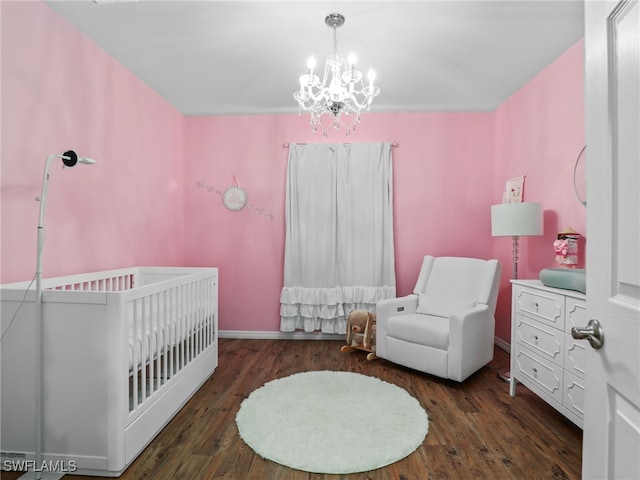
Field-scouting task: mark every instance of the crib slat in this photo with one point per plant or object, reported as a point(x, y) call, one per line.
point(143, 376)
point(207, 328)
point(134, 341)
point(185, 332)
point(206, 314)
point(190, 322)
point(172, 332)
point(194, 321)
point(153, 332)
point(198, 320)
point(187, 325)
point(202, 322)
point(198, 317)
point(159, 339)
point(181, 327)
point(211, 299)
point(167, 335)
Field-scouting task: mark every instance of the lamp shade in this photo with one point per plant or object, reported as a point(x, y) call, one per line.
point(516, 219)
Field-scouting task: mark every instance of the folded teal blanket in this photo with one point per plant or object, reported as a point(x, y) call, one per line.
point(565, 278)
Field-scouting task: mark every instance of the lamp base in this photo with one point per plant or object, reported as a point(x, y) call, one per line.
point(42, 476)
point(504, 375)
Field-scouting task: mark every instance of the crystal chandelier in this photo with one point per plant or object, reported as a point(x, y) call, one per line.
point(342, 93)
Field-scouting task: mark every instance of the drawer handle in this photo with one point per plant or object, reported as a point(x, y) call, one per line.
point(534, 370)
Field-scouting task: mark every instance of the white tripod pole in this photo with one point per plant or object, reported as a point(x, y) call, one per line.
point(69, 158)
point(37, 473)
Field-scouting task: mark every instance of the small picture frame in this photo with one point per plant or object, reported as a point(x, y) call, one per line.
point(234, 198)
point(514, 190)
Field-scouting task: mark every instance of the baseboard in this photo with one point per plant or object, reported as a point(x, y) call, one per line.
point(500, 343)
point(257, 335)
point(253, 335)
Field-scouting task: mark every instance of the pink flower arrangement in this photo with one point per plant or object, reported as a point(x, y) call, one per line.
point(566, 247)
point(561, 247)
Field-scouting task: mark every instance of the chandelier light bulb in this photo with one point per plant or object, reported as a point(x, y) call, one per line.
point(311, 64)
point(371, 75)
point(340, 92)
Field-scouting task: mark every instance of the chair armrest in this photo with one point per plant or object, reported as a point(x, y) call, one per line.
point(466, 315)
point(395, 306)
point(388, 308)
point(471, 339)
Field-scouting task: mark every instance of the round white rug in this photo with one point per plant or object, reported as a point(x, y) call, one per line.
point(332, 422)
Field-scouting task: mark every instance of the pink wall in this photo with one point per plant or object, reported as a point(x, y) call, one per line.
point(448, 169)
point(60, 92)
point(542, 128)
point(141, 205)
point(442, 170)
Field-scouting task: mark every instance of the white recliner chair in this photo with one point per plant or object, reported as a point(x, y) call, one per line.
point(446, 327)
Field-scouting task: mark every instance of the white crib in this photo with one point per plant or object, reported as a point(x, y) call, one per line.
point(123, 351)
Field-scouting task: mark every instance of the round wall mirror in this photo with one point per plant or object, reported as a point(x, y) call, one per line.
point(580, 177)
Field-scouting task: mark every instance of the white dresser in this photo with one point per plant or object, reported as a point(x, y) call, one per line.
point(544, 356)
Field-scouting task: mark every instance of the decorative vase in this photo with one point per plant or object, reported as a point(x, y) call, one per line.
point(566, 247)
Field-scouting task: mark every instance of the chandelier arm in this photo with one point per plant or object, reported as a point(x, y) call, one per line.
point(361, 106)
point(319, 97)
point(357, 91)
point(352, 89)
point(350, 108)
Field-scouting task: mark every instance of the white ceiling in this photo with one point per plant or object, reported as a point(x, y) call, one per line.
point(212, 57)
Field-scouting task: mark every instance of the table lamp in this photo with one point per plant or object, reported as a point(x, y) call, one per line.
point(516, 220)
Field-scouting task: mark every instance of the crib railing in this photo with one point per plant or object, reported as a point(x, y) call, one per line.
point(115, 283)
point(168, 330)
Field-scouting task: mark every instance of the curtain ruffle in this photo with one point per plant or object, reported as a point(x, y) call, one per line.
point(326, 309)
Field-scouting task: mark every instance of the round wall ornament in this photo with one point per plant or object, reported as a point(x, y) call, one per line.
point(234, 198)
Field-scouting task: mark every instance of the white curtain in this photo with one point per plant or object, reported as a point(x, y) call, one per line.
point(339, 253)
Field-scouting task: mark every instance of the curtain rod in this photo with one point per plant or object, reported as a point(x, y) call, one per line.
point(286, 145)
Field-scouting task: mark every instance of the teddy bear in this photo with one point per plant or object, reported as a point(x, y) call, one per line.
point(360, 328)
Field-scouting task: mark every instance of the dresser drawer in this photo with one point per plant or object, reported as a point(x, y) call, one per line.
point(575, 355)
point(546, 376)
point(542, 339)
point(544, 306)
point(573, 394)
point(576, 313)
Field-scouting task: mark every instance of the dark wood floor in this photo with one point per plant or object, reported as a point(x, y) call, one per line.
point(476, 430)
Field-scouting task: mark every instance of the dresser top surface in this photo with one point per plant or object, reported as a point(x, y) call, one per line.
point(532, 283)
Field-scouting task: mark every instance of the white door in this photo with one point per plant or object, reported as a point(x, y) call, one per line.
point(611, 447)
